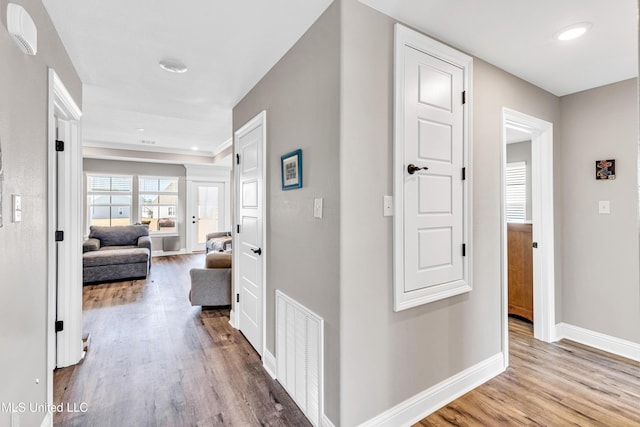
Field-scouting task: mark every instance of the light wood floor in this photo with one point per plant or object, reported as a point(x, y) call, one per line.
point(560, 384)
point(156, 361)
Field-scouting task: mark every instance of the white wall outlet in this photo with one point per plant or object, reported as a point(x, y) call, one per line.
point(17, 208)
point(317, 207)
point(604, 208)
point(387, 205)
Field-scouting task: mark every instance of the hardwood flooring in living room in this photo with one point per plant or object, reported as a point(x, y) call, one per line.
point(154, 360)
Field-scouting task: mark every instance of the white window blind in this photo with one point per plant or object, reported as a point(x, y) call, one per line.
point(516, 209)
point(109, 200)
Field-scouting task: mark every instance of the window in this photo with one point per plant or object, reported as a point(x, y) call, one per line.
point(159, 203)
point(516, 192)
point(109, 200)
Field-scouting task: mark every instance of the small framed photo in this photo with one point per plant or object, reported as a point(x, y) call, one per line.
point(606, 169)
point(291, 166)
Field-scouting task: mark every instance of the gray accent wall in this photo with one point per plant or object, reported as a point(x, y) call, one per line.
point(118, 167)
point(301, 97)
point(521, 152)
point(23, 246)
point(601, 290)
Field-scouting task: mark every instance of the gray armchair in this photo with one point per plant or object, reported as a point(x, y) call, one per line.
point(211, 285)
point(218, 241)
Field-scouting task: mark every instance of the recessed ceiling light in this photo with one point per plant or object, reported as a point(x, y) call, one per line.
point(573, 31)
point(173, 66)
point(194, 148)
point(140, 129)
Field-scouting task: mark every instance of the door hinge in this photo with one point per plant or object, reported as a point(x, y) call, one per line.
point(238, 298)
point(238, 228)
point(59, 326)
point(237, 159)
point(59, 145)
point(464, 249)
point(464, 173)
point(59, 236)
point(464, 97)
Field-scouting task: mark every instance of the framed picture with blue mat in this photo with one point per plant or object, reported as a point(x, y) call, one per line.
point(291, 170)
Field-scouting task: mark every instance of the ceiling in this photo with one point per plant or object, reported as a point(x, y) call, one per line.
point(518, 36)
point(229, 45)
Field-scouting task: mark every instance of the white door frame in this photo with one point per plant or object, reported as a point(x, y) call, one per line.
point(543, 227)
point(234, 317)
point(68, 350)
point(192, 204)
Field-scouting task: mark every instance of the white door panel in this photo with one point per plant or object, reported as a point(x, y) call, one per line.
point(247, 250)
point(431, 217)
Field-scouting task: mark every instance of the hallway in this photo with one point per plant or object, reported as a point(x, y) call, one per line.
point(156, 361)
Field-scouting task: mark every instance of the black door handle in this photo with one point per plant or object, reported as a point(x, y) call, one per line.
point(413, 168)
point(257, 251)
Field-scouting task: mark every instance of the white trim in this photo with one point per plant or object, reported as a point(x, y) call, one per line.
point(543, 230)
point(407, 37)
point(624, 348)
point(47, 421)
point(68, 348)
point(269, 363)
point(259, 119)
point(228, 143)
point(325, 421)
point(430, 400)
point(168, 253)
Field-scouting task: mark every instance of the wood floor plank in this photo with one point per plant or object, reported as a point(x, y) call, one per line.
point(559, 384)
point(156, 361)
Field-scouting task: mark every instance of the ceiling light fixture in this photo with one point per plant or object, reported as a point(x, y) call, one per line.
point(194, 148)
point(173, 66)
point(140, 129)
point(573, 32)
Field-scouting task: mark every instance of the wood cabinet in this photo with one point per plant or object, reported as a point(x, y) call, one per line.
point(520, 264)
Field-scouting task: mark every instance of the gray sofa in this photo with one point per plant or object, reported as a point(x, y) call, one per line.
point(211, 285)
point(116, 253)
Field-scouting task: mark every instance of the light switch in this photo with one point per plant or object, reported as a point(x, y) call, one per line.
point(17, 208)
point(317, 207)
point(604, 207)
point(387, 208)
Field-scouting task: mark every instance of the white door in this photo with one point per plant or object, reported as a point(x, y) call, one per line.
point(206, 213)
point(432, 179)
point(248, 250)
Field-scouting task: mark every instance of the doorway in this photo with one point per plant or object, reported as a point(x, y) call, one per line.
point(542, 240)
point(206, 212)
point(64, 231)
point(249, 256)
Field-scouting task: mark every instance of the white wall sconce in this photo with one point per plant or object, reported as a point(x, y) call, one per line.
point(22, 29)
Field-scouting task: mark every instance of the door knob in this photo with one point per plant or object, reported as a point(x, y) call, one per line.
point(257, 251)
point(413, 168)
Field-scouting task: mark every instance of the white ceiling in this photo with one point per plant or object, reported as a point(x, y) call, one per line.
point(517, 36)
point(228, 46)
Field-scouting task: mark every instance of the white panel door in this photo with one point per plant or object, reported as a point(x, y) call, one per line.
point(430, 177)
point(206, 212)
point(248, 255)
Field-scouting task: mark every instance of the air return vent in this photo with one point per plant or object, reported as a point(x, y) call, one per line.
point(22, 29)
point(299, 355)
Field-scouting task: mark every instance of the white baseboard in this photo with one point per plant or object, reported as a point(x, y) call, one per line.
point(624, 348)
point(47, 421)
point(232, 318)
point(325, 421)
point(269, 363)
point(168, 253)
point(430, 400)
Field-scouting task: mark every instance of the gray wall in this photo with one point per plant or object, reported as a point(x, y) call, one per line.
point(388, 357)
point(521, 152)
point(600, 258)
point(301, 96)
point(23, 135)
point(142, 169)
